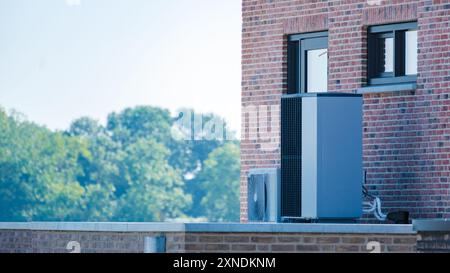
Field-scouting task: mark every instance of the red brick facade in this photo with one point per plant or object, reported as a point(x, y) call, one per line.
point(406, 141)
point(26, 241)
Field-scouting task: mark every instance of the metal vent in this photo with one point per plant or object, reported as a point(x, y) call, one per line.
point(263, 195)
point(257, 198)
point(291, 156)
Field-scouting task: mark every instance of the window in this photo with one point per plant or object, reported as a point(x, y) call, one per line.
point(308, 63)
point(392, 54)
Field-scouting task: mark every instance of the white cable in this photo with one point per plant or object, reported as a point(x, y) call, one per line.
point(379, 212)
point(370, 207)
point(375, 208)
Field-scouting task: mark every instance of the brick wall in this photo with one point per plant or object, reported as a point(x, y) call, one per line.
point(406, 141)
point(433, 242)
point(301, 242)
point(25, 241)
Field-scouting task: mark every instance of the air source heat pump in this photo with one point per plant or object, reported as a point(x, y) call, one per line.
point(263, 195)
point(321, 157)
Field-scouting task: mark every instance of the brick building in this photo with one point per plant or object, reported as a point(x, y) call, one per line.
point(406, 137)
point(396, 54)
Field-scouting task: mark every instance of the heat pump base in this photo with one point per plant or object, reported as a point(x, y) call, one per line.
point(318, 221)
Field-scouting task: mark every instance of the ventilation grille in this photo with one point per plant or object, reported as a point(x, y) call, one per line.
point(291, 156)
point(256, 197)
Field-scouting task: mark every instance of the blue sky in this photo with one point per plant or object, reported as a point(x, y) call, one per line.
point(62, 59)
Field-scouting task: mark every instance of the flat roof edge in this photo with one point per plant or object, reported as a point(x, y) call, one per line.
point(438, 225)
point(211, 227)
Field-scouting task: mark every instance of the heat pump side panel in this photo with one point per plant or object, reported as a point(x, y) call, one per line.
point(273, 194)
point(309, 158)
point(291, 157)
point(339, 162)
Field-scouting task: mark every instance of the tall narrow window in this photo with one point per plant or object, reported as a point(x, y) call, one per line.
point(317, 70)
point(392, 54)
point(411, 52)
point(308, 63)
point(388, 55)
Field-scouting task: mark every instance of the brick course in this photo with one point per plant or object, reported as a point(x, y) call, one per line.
point(406, 141)
point(133, 242)
point(433, 242)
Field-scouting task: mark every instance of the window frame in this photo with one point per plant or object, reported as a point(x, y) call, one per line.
point(298, 47)
point(397, 32)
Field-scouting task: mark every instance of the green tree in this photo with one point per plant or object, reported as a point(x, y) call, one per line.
point(130, 170)
point(220, 181)
point(155, 190)
point(132, 155)
point(140, 122)
point(99, 165)
point(193, 149)
point(99, 203)
point(38, 172)
point(86, 127)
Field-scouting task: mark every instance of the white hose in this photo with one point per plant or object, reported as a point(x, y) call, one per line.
point(381, 215)
point(375, 208)
point(370, 205)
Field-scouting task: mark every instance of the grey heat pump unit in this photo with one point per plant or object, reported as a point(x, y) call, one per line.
point(263, 195)
point(321, 157)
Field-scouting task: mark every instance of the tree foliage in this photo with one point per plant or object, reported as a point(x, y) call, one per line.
point(219, 180)
point(132, 169)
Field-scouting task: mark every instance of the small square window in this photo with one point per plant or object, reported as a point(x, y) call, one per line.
point(392, 54)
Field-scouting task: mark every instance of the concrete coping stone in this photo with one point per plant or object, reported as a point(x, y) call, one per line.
point(212, 227)
point(438, 225)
